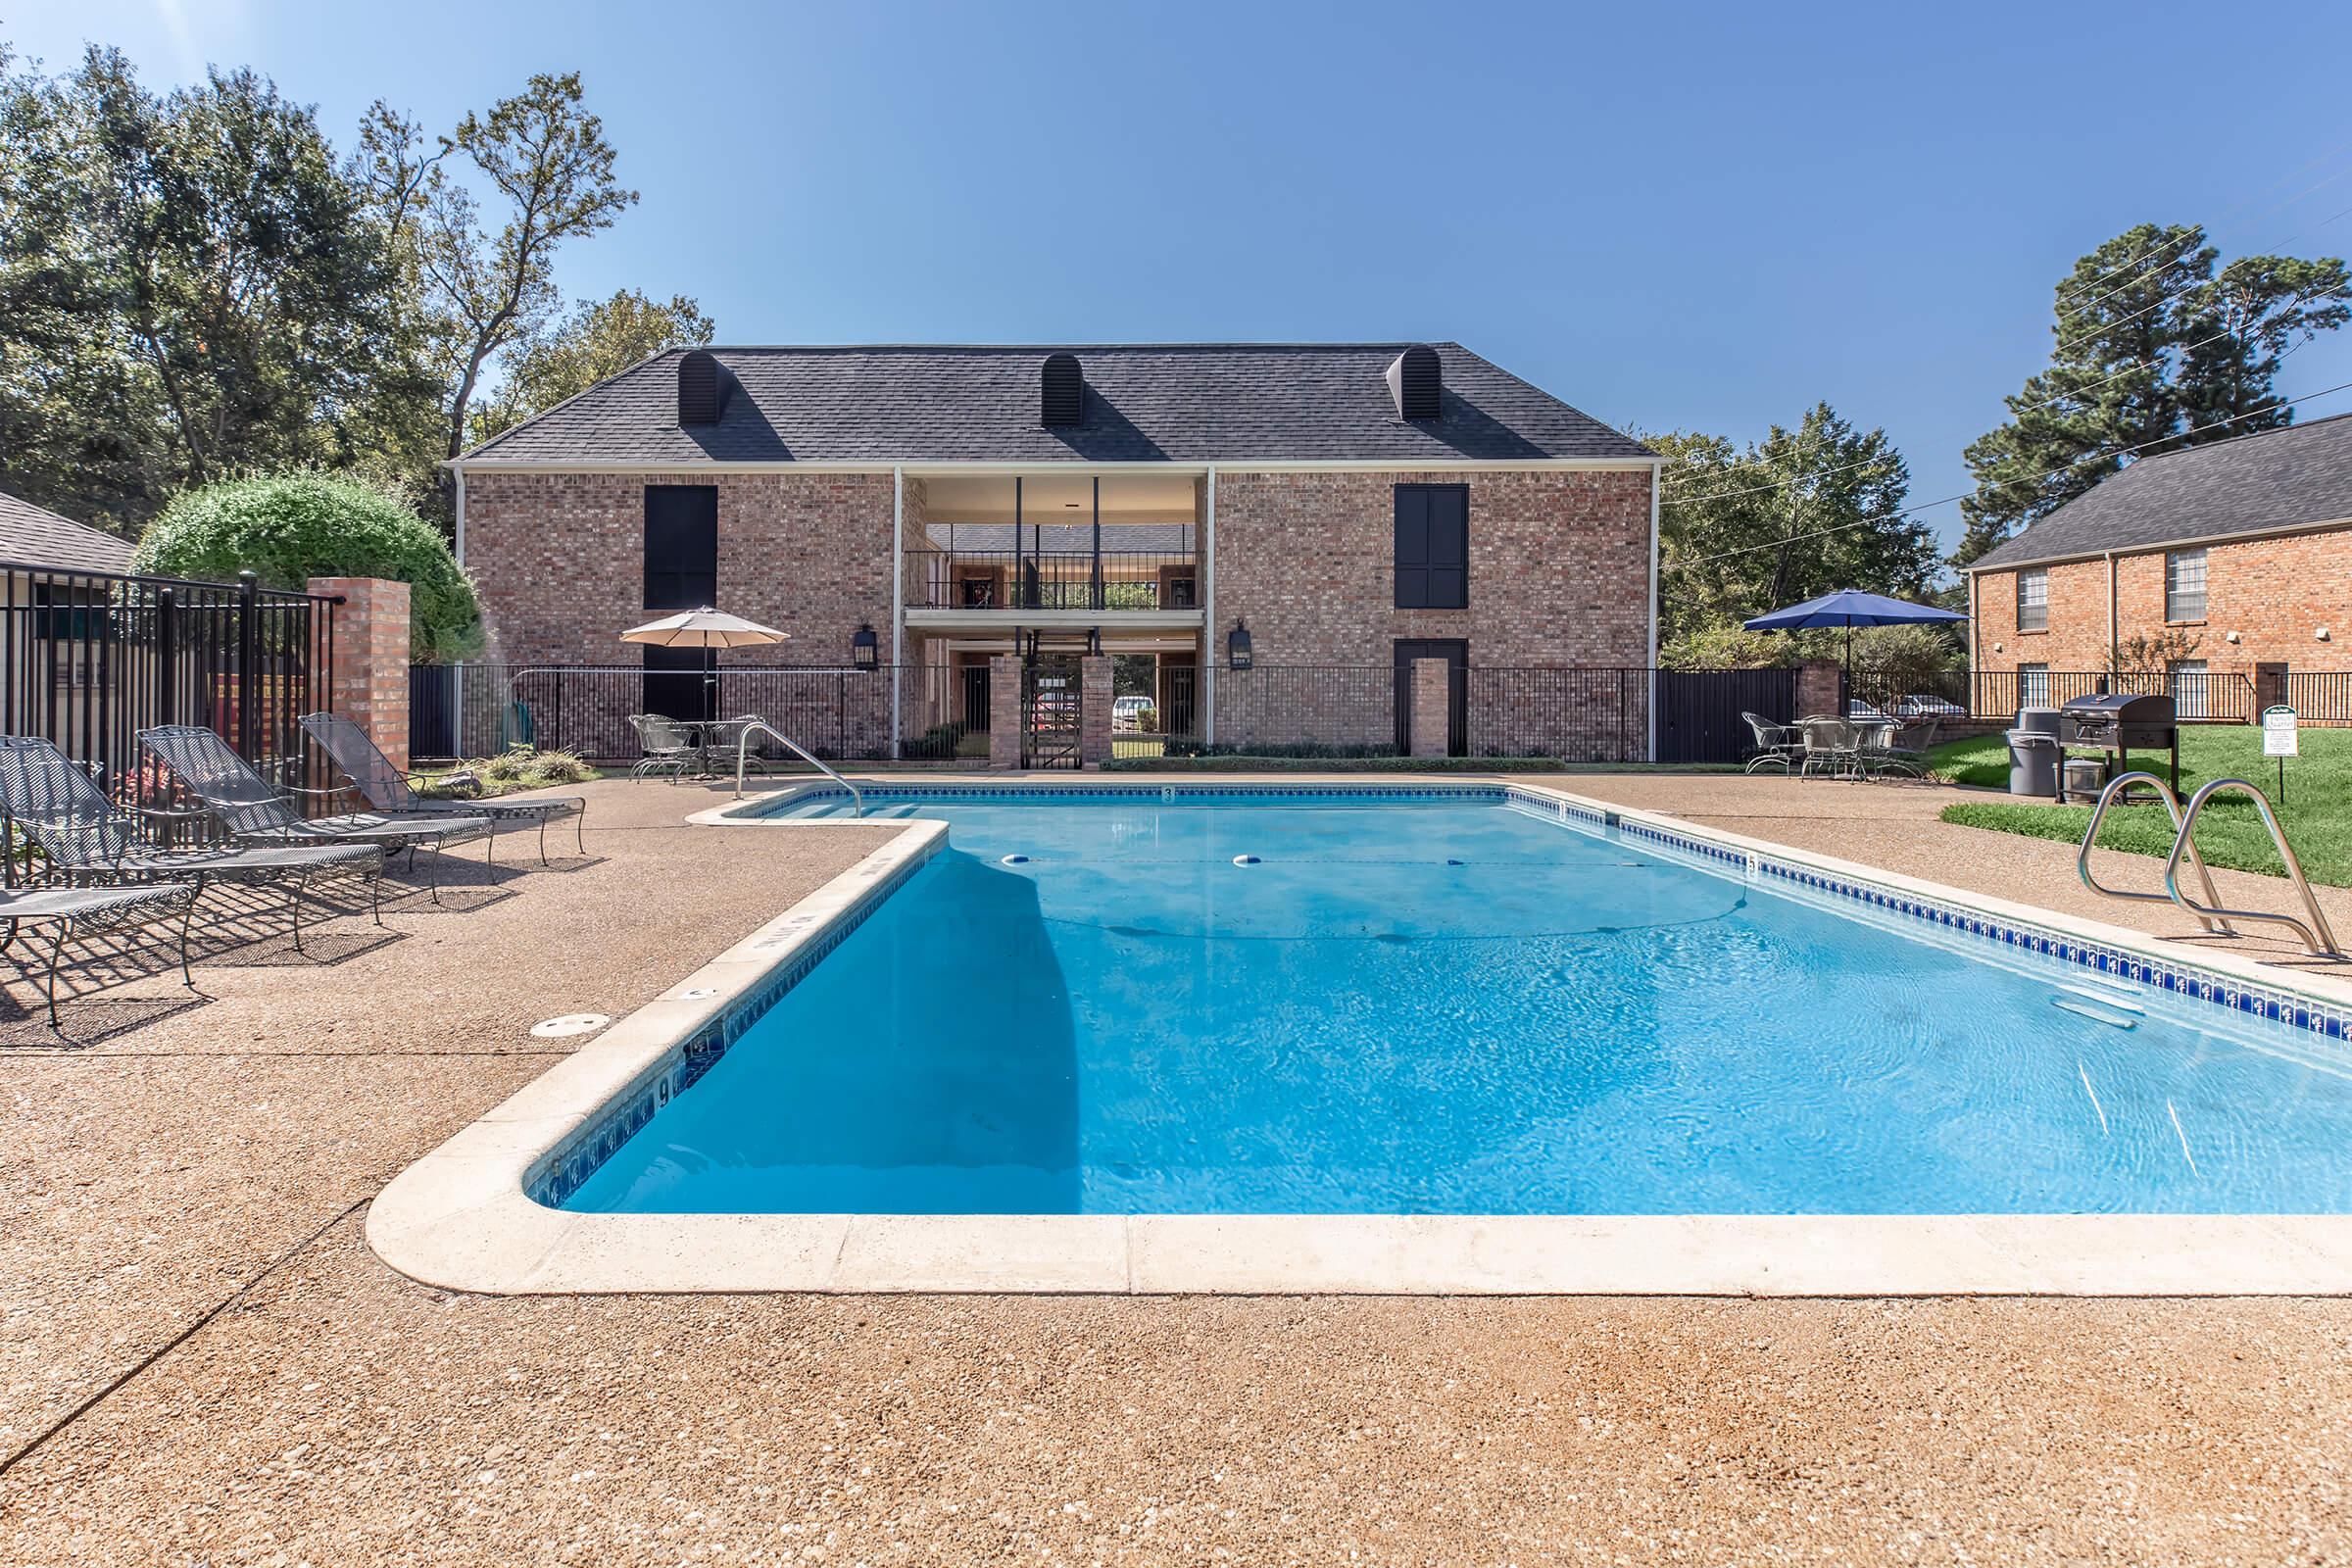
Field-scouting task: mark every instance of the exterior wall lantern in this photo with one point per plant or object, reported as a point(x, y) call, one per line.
point(865, 649)
point(1237, 648)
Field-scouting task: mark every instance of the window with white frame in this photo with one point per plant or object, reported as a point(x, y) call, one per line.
point(2185, 585)
point(2189, 683)
point(2032, 685)
point(2034, 601)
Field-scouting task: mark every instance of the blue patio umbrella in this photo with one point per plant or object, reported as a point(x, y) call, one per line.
point(1849, 608)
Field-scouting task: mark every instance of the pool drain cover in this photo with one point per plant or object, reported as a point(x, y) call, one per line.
point(571, 1023)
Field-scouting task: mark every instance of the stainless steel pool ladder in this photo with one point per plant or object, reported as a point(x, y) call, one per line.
point(2172, 805)
point(2318, 937)
point(743, 755)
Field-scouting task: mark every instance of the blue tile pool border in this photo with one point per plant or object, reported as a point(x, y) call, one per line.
point(559, 1173)
point(572, 1161)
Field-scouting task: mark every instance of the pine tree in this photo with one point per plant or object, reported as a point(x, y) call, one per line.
point(2154, 350)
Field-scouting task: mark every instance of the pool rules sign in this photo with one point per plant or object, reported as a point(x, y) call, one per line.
point(2279, 740)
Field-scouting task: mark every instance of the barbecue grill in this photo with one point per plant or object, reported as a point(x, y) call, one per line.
point(2114, 725)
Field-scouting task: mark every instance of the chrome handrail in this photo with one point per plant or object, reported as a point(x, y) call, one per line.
point(2172, 805)
point(743, 755)
point(2317, 937)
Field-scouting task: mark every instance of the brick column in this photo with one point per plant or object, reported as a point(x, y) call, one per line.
point(370, 681)
point(1433, 703)
point(1817, 688)
point(1005, 711)
point(1093, 709)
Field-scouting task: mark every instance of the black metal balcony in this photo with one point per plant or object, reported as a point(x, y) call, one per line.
point(1060, 579)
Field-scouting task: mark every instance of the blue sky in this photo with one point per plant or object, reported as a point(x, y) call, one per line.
point(1700, 217)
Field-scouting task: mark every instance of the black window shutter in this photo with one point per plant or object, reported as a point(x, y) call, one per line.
point(1433, 546)
point(1412, 547)
point(681, 545)
point(1448, 547)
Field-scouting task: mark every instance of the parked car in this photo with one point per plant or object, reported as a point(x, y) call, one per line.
point(1922, 705)
point(1127, 712)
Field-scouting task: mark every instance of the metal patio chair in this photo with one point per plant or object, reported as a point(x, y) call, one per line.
point(86, 840)
point(253, 812)
point(1777, 745)
point(669, 747)
point(387, 790)
point(1832, 746)
point(78, 911)
point(1906, 750)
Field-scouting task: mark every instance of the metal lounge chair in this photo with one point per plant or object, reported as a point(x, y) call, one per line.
point(1777, 745)
point(253, 812)
point(76, 912)
point(669, 747)
point(87, 840)
point(387, 790)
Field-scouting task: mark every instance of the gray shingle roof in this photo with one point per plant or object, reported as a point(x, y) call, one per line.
point(1178, 402)
point(2301, 473)
point(40, 538)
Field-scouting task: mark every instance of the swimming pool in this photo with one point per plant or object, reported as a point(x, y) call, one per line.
point(1119, 1003)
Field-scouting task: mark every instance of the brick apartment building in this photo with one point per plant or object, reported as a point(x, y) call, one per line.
point(2240, 552)
point(932, 512)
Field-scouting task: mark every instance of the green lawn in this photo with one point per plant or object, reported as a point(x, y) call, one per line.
point(2229, 831)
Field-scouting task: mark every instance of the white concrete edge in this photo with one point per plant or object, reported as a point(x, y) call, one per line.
point(460, 1219)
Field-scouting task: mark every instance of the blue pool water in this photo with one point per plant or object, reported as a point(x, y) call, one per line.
point(1449, 1007)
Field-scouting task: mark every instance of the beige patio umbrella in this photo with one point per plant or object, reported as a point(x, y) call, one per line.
point(705, 628)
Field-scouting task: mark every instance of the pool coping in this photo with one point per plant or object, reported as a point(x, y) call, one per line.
point(464, 1217)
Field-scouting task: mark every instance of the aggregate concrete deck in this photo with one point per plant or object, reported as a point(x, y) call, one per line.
point(239, 1380)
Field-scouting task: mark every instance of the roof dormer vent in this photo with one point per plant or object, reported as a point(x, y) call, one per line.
point(1415, 382)
point(1063, 388)
point(702, 389)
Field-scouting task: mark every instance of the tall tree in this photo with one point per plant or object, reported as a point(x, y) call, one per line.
point(595, 339)
point(1795, 515)
point(205, 271)
point(544, 160)
point(78, 427)
point(2154, 349)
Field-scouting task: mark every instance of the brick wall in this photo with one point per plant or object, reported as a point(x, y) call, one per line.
point(370, 684)
point(560, 562)
point(1559, 568)
point(2273, 594)
point(1559, 573)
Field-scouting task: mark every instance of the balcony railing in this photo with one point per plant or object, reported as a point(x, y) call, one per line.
point(1050, 579)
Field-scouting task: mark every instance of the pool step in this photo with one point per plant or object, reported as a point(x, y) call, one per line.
point(2098, 1013)
point(2121, 1001)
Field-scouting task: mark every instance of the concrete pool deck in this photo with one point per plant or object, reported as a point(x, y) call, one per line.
point(185, 1269)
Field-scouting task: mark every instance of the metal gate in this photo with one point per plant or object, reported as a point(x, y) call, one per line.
point(1053, 710)
point(1699, 710)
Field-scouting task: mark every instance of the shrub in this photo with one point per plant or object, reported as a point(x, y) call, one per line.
point(291, 528)
point(518, 767)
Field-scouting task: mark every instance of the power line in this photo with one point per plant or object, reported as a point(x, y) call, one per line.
point(2055, 397)
point(2200, 230)
point(1945, 500)
point(2194, 284)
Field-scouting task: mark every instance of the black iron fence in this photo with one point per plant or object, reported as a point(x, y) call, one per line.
point(943, 714)
point(840, 713)
point(87, 659)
